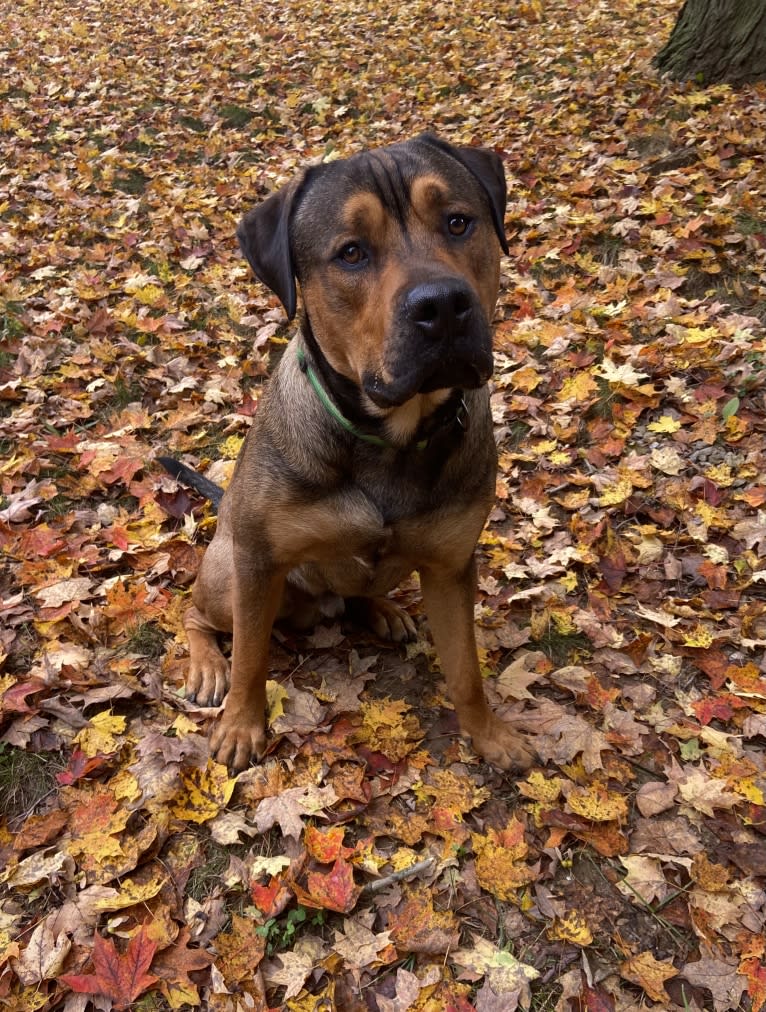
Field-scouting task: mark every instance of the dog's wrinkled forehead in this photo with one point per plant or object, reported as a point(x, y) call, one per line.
point(389, 175)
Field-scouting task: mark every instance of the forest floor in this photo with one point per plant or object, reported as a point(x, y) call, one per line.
point(622, 591)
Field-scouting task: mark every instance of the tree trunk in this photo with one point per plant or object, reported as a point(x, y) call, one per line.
point(717, 40)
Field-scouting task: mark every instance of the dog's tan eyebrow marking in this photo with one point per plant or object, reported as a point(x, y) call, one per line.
point(428, 193)
point(364, 214)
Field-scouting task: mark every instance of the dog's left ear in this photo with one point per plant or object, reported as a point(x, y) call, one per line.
point(487, 167)
point(264, 238)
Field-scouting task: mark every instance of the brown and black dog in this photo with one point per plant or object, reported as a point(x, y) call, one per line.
point(372, 452)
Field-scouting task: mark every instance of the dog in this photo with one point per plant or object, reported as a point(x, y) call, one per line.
point(371, 453)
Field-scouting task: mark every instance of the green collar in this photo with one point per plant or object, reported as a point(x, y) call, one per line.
point(341, 419)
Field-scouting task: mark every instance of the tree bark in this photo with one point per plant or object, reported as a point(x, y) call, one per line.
point(717, 40)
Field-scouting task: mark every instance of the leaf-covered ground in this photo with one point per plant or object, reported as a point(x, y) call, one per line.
point(371, 862)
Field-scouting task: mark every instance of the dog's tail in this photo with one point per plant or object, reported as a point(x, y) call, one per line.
point(193, 479)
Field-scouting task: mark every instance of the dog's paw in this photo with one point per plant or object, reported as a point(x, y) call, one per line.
point(385, 618)
point(208, 679)
point(235, 741)
point(500, 745)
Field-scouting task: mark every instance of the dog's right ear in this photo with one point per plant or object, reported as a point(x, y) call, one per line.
point(264, 238)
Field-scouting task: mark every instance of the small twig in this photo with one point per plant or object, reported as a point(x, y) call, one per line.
point(398, 876)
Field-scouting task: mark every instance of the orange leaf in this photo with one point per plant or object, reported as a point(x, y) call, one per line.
point(326, 846)
point(272, 899)
point(416, 927)
point(755, 972)
point(336, 890)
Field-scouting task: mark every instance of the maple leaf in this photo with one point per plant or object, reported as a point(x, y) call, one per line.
point(644, 880)
point(654, 797)
point(416, 927)
point(622, 375)
point(359, 947)
point(290, 806)
point(335, 890)
point(629, 535)
point(44, 955)
point(699, 790)
point(173, 966)
point(500, 855)
point(291, 969)
point(755, 972)
point(506, 976)
point(596, 803)
point(119, 977)
point(721, 977)
point(650, 974)
point(572, 927)
point(326, 846)
point(204, 792)
point(240, 950)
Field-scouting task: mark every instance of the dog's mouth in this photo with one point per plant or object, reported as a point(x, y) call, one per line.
point(445, 375)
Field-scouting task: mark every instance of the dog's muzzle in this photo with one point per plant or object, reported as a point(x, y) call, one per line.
point(442, 341)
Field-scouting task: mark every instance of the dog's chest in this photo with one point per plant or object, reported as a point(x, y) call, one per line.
point(367, 561)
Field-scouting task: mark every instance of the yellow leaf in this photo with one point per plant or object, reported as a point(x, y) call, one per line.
point(230, 447)
point(404, 857)
point(124, 787)
point(149, 295)
point(594, 802)
point(275, 697)
point(579, 387)
point(98, 737)
point(541, 787)
point(571, 928)
point(699, 636)
point(570, 582)
point(613, 495)
point(500, 854)
point(183, 726)
point(721, 475)
point(698, 335)
point(388, 728)
point(747, 787)
point(204, 792)
point(181, 994)
point(132, 892)
point(650, 974)
point(665, 423)
point(525, 379)
point(545, 446)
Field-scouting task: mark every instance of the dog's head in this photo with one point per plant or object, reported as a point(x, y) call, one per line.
point(397, 255)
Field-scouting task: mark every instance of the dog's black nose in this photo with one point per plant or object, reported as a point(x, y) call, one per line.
point(440, 309)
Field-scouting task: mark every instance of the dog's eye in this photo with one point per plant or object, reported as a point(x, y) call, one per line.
point(352, 254)
point(458, 224)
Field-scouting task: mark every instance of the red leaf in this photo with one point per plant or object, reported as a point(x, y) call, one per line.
point(119, 977)
point(272, 899)
point(79, 766)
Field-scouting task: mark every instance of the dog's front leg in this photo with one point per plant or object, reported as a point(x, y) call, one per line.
point(240, 734)
point(449, 598)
